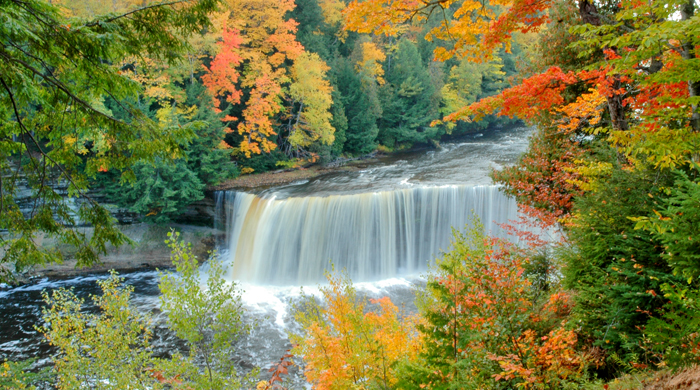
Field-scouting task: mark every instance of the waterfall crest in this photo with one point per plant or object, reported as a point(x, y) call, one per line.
point(372, 235)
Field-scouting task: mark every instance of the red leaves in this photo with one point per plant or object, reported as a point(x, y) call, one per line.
point(279, 369)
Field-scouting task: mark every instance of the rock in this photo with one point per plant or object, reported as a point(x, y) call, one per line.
point(149, 250)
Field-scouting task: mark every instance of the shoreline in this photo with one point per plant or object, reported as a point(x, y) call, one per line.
point(269, 179)
point(149, 252)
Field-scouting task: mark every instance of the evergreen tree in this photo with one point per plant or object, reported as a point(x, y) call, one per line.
point(207, 156)
point(55, 73)
point(340, 122)
point(617, 271)
point(163, 189)
point(362, 108)
point(408, 103)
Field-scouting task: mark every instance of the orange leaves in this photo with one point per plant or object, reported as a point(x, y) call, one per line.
point(541, 360)
point(257, 125)
point(222, 76)
point(345, 345)
point(545, 181)
point(257, 48)
point(379, 16)
point(485, 322)
point(586, 110)
point(536, 94)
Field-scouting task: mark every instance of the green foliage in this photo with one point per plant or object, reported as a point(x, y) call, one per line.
point(265, 162)
point(674, 335)
point(616, 271)
point(206, 314)
point(408, 100)
point(162, 191)
point(55, 75)
point(340, 123)
point(18, 375)
point(361, 105)
point(108, 350)
point(205, 157)
point(675, 224)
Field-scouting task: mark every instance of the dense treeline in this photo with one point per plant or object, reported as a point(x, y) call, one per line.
point(148, 104)
point(335, 93)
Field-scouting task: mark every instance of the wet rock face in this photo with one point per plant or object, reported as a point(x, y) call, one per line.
point(200, 213)
point(149, 250)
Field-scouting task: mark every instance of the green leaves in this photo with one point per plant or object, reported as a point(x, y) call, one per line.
point(675, 224)
point(56, 133)
point(674, 334)
point(204, 313)
point(109, 350)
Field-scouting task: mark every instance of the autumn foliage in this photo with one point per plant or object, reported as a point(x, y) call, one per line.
point(482, 324)
point(347, 343)
point(475, 31)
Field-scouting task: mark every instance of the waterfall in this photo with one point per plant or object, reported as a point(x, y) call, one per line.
point(371, 235)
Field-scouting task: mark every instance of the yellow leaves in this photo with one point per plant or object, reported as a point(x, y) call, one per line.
point(312, 91)
point(381, 17)
point(247, 170)
point(346, 346)
point(591, 173)
point(475, 31)
point(333, 15)
point(69, 140)
point(370, 64)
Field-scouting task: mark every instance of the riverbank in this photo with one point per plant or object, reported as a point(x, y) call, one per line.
point(148, 251)
point(309, 172)
point(282, 177)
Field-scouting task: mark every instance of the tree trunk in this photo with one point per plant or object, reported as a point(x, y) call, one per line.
point(688, 53)
point(589, 14)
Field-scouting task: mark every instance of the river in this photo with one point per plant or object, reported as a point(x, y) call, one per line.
point(383, 224)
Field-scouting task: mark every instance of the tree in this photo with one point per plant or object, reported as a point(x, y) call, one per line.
point(408, 100)
point(56, 132)
point(207, 317)
point(475, 30)
point(617, 271)
point(311, 98)
point(362, 108)
point(109, 350)
point(164, 189)
point(347, 344)
point(482, 329)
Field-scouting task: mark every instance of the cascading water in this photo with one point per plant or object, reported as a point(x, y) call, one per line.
point(372, 236)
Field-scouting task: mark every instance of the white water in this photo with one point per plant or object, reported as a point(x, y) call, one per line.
point(383, 223)
point(372, 236)
point(389, 219)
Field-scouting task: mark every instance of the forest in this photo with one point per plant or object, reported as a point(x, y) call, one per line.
point(149, 104)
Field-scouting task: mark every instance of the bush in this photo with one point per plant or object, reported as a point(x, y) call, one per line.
point(481, 327)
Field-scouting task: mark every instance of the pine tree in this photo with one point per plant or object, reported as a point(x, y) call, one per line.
point(361, 108)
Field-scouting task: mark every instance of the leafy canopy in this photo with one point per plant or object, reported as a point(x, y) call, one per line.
point(55, 131)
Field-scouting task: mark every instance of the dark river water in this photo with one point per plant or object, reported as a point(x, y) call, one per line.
point(415, 175)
